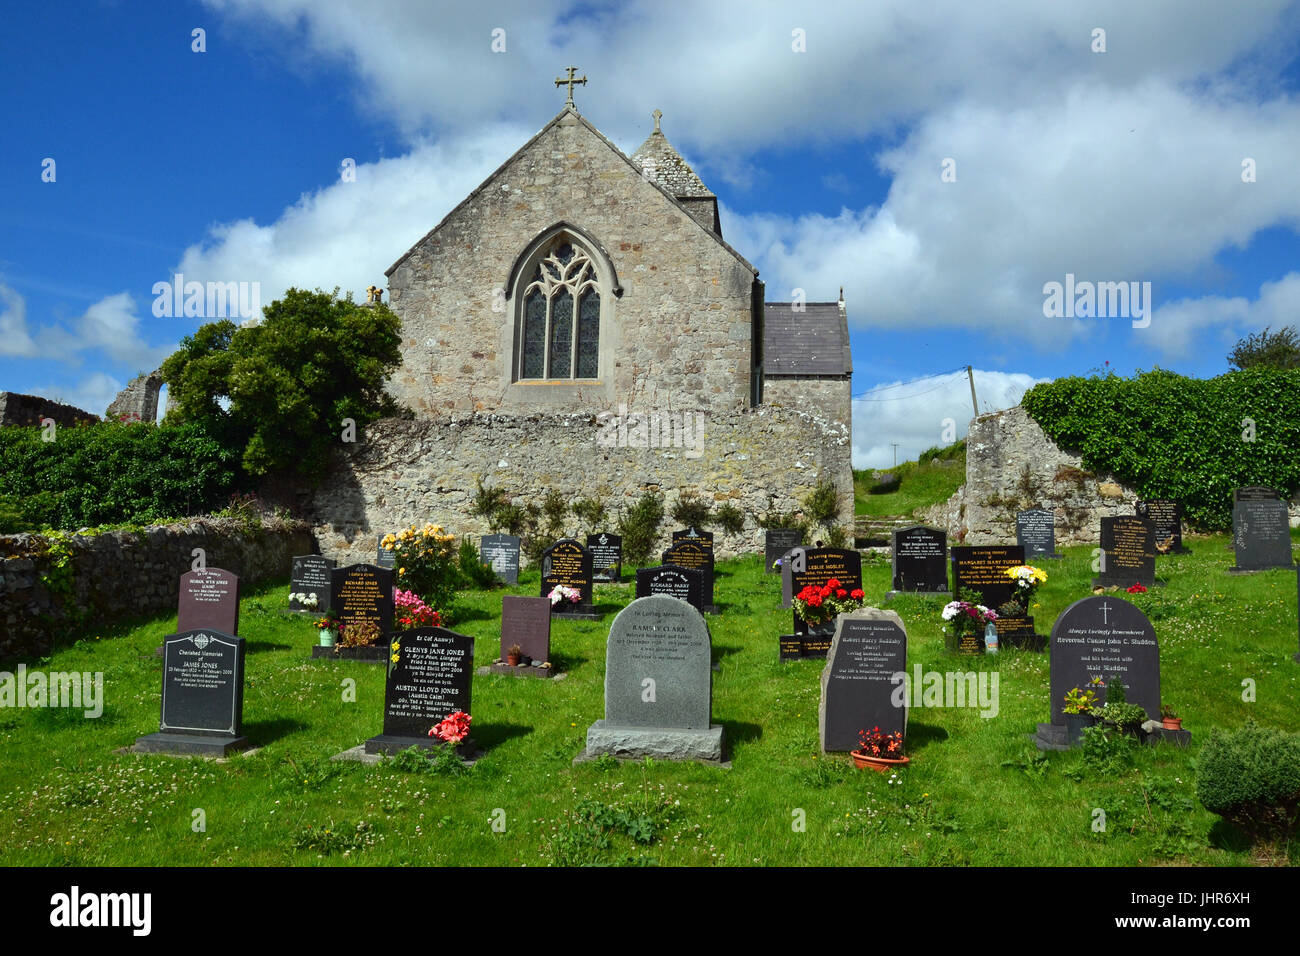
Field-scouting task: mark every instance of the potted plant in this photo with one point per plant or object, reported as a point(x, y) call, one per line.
point(329, 627)
point(818, 607)
point(1169, 720)
point(513, 653)
point(1080, 712)
point(968, 621)
point(361, 634)
point(879, 751)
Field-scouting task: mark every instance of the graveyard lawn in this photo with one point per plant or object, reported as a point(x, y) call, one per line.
point(977, 792)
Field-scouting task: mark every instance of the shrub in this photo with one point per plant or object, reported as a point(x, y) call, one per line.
point(488, 503)
point(592, 512)
point(823, 503)
point(836, 536)
point(730, 519)
point(473, 571)
point(691, 511)
point(773, 517)
point(555, 508)
point(426, 563)
point(1180, 438)
point(639, 526)
point(1251, 777)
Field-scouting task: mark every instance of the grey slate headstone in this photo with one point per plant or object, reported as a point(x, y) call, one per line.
point(920, 559)
point(1128, 552)
point(1036, 533)
point(606, 556)
point(202, 709)
point(983, 568)
point(383, 557)
point(858, 686)
point(1261, 534)
point(501, 553)
point(686, 584)
point(664, 640)
point(311, 575)
point(1107, 637)
point(776, 542)
point(1167, 517)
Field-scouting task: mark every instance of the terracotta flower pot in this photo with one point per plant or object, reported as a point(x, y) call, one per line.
point(879, 764)
point(1172, 723)
point(512, 660)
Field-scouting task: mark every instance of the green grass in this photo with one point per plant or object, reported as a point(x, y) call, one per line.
point(922, 484)
point(976, 792)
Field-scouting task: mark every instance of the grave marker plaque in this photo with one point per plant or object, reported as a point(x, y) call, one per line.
point(689, 554)
point(311, 575)
point(686, 584)
point(1036, 533)
point(984, 569)
point(1255, 493)
point(568, 564)
point(501, 553)
point(202, 695)
point(920, 559)
point(1261, 534)
point(429, 681)
point(363, 592)
point(1167, 519)
point(1128, 552)
point(858, 686)
point(606, 556)
point(778, 541)
point(209, 600)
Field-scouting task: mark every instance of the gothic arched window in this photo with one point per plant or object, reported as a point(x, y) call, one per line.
point(560, 335)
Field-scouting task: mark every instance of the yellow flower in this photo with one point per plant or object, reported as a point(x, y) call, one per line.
point(395, 657)
point(401, 570)
point(397, 645)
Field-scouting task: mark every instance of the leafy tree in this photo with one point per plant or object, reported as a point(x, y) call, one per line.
point(281, 390)
point(1280, 349)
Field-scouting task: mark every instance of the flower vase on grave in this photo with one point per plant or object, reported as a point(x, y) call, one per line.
point(327, 638)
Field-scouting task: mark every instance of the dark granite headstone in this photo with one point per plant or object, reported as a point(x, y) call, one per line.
point(526, 621)
point(202, 695)
point(1297, 656)
point(777, 541)
point(690, 554)
point(686, 584)
point(864, 679)
point(983, 568)
point(1036, 533)
point(383, 557)
point(428, 682)
point(363, 592)
point(1106, 637)
point(209, 600)
point(788, 560)
point(1261, 534)
point(606, 556)
point(501, 552)
point(1167, 518)
point(703, 538)
point(568, 563)
point(311, 575)
point(1128, 552)
point(920, 560)
point(815, 567)
point(658, 685)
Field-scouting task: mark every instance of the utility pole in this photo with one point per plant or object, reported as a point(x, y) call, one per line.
point(973, 404)
point(895, 444)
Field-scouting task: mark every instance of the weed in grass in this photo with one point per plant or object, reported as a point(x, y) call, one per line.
point(442, 760)
point(307, 774)
point(331, 838)
point(1031, 762)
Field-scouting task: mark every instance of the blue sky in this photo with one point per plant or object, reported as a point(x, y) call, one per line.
point(1122, 165)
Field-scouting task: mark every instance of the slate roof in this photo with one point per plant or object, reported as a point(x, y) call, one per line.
point(672, 172)
point(812, 342)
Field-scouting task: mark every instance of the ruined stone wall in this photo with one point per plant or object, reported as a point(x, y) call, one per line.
point(138, 402)
point(830, 397)
point(408, 472)
point(28, 410)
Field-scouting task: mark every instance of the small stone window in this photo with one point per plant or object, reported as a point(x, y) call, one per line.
point(561, 316)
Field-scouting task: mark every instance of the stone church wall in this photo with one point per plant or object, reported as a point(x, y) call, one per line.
point(831, 397)
point(408, 472)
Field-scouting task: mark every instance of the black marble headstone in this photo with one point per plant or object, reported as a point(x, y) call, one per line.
point(863, 683)
point(311, 575)
point(209, 600)
point(684, 583)
point(1167, 518)
point(363, 592)
point(817, 566)
point(202, 695)
point(1128, 552)
point(568, 563)
point(920, 560)
point(983, 568)
point(501, 552)
point(1036, 533)
point(606, 556)
point(690, 554)
point(777, 541)
point(1261, 534)
point(429, 681)
point(1106, 637)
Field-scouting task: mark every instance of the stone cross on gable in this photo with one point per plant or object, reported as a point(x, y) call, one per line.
point(571, 82)
point(658, 115)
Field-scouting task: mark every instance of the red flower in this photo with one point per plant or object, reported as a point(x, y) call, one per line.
point(841, 594)
point(1137, 589)
point(857, 594)
point(814, 600)
point(833, 583)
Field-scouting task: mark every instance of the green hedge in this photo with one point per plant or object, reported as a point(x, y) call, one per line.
point(1251, 777)
point(111, 473)
point(1181, 438)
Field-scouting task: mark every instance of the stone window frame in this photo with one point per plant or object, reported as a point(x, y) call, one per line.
point(522, 275)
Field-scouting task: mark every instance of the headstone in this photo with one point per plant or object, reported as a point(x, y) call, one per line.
point(606, 556)
point(858, 686)
point(383, 557)
point(1128, 552)
point(429, 681)
point(920, 560)
point(777, 541)
point(202, 695)
point(1106, 637)
point(1036, 533)
point(816, 566)
point(1261, 534)
point(1167, 518)
point(983, 568)
point(209, 600)
point(526, 621)
point(703, 538)
point(501, 552)
point(686, 584)
point(311, 575)
point(1255, 493)
point(787, 574)
point(363, 592)
point(568, 563)
point(658, 686)
point(690, 554)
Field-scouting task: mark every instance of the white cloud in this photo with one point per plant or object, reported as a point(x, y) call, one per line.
point(916, 414)
point(14, 337)
point(93, 394)
point(109, 328)
point(1175, 325)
